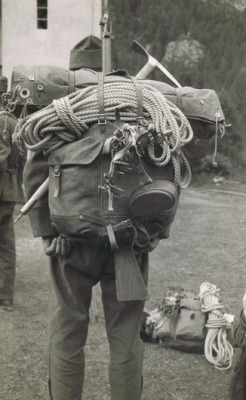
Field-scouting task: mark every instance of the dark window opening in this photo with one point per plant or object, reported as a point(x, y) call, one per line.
point(42, 3)
point(42, 14)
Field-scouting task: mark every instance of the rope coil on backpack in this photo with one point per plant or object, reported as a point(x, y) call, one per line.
point(217, 349)
point(68, 118)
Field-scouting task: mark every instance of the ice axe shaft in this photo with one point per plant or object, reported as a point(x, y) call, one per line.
point(107, 37)
point(151, 64)
point(33, 199)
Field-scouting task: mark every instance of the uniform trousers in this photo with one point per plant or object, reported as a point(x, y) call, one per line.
point(7, 251)
point(73, 277)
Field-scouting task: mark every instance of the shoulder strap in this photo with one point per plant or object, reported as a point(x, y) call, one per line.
point(71, 83)
point(139, 93)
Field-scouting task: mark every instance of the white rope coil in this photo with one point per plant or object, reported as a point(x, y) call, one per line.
point(217, 348)
point(68, 118)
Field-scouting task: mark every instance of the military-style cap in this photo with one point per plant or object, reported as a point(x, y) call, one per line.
point(3, 84)
point(86, 54)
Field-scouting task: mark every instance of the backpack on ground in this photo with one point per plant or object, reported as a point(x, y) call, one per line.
point(177, 323)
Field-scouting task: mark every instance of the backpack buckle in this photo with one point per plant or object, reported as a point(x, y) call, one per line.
point(56, 174)
point(101, 119)
point(57, 170)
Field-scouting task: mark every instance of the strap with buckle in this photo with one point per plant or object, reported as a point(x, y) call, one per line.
point(56, 174)
point(140, 117)
point(111, 229)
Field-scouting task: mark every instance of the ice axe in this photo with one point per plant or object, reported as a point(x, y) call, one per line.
point(151, 64)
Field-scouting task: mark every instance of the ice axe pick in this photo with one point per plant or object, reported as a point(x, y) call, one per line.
point(151, 64)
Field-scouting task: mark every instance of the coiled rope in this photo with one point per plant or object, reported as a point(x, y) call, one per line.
point(217, 349)
point(68, 118)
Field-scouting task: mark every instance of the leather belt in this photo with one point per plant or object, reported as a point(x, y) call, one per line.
point(111, 228)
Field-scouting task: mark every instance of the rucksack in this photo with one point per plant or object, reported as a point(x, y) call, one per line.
point(178, 322)
point(130, 191)
point(84, 207)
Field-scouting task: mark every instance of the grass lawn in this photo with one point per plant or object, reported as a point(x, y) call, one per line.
point(207, 243)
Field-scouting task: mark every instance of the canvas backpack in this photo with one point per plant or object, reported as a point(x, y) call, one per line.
point(117, 194)
point(84, 205)
point(115, 161)
point(178, 322)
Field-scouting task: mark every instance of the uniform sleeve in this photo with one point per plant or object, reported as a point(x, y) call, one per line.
point(237, 331)
point(5, 150)
point(35, 173)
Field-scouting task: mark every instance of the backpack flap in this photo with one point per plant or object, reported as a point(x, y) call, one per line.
point(74, 177)
point(191, 322)
point(78, 199)
point(190, 330)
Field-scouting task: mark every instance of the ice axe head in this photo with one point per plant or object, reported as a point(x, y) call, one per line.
point(135, 46)
point(151, 64)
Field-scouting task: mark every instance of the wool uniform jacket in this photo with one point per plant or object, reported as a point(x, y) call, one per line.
point(35, 172)
point(11, 163)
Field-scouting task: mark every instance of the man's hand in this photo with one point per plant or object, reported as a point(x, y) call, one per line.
point(56, 246)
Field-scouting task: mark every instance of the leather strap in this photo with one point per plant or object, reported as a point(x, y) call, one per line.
point(179, 99)
point(117, 117)
point(111, 229)
point(130, 284)
point(12, 170)
point(101, 115)
point(56, 174)
point(100, 221)
point(71, 87)
point(139, 93)
point(111, 237)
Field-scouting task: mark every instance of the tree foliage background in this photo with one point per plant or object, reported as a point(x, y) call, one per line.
point(220, 31)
